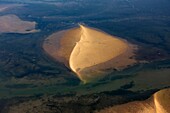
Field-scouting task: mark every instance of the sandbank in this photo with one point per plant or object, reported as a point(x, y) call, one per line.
point(13, 24)
point(88, 52)
point(4, 7)
point(158, 103)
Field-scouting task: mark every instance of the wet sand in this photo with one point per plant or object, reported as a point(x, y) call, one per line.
point(88, 52)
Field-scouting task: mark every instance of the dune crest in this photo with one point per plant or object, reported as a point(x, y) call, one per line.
point(89, 52)
point(158, 103)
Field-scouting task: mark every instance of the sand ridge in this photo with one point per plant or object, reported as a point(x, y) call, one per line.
point(158, 103)
point(89, 52)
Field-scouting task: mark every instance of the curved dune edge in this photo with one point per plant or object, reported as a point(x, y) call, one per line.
point(158, 103)
point(89, 52)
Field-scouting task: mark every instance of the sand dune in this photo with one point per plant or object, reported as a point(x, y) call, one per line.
point(13, 24)
point(89, 52)
point(158, 103)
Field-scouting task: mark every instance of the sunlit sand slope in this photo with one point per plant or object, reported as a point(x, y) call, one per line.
point(89, 52)
point(158, 103)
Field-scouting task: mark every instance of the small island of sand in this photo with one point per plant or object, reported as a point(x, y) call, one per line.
point(158, 103)
point(4, 7)
point(13, 24)
point(88, 52)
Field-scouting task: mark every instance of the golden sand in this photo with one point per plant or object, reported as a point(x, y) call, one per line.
point(158, 103)
point(89, 52)
point(13, 24)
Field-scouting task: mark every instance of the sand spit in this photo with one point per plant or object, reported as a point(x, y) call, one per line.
point(13, 24)
point(158, 103)
point(4, 7)
point(88, 52)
